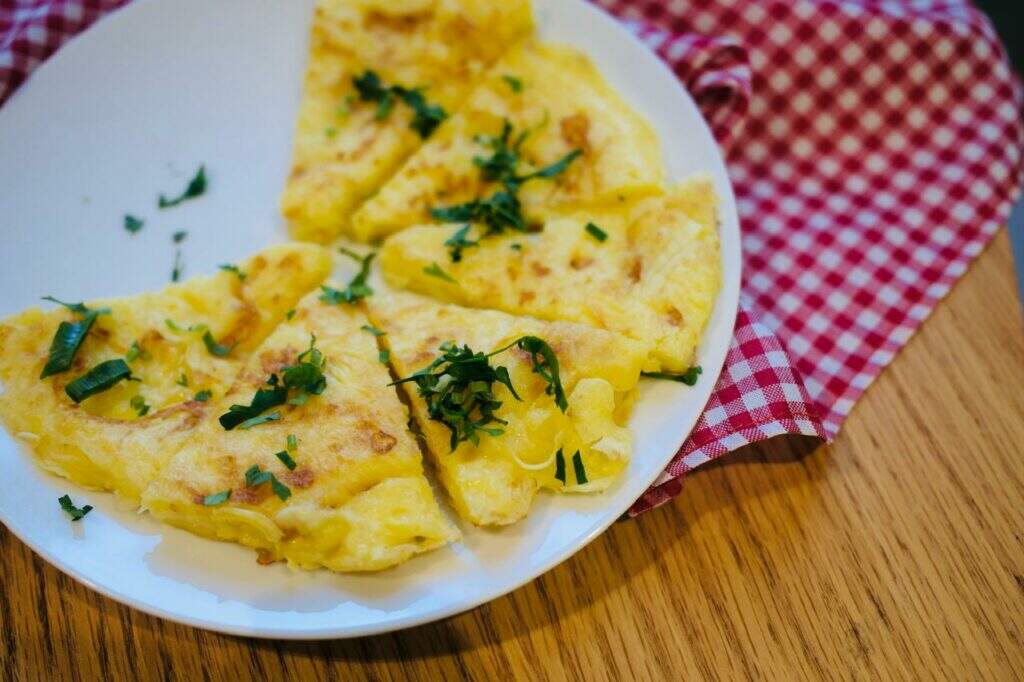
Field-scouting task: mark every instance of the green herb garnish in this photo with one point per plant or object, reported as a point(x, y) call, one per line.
point(560, 466)
point(458, 387)
point(515, 83)
point(689, 377)
point(516, 246)
point(98, 379)
point(286, 459)
point(458, 242)
point(179, 236)
point(434, 270)
point(357, 289)
point(182, 380)
point(202, 396)
point(577, 465)
point(596, 232)
point(69, 337)
point(217, 498)
point(79, 308)
point(292, 443)
point(307, 375)
point(330, 131)
point(290, 314)
point(255, 477)
point(229, 267)
point(138, 403)
point(384, 356)
point(373, 330)
point(263, 400)
point(136, 352)
point(179, 267)
point(215, 348)
point(133, 224)
point(262, 419)
point(426, 116)
point(196, 187)
point(74, 512)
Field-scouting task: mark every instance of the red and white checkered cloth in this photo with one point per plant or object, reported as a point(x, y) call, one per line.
point(875, 147)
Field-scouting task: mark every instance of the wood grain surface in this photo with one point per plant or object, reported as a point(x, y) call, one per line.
point(896, 553)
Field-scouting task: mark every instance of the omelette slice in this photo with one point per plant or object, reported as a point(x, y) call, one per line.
point(120, 438)
point(493, 474)
point(555, 103)
point(339, 479)
point(349, 140)
point(651, 272)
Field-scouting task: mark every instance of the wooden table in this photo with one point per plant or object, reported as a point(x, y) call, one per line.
point(897, 552)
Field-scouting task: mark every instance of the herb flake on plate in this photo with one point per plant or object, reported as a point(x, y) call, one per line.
point(196, 187)
point(98, 379)
point(74, 512)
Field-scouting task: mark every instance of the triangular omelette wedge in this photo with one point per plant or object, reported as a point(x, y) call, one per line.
point(493, 481)
point(346, 146)
point(651, 272)
point(556, 102)
point(356, 499)
point(120, 438)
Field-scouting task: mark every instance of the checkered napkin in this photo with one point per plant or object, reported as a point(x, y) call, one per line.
point(875, 147)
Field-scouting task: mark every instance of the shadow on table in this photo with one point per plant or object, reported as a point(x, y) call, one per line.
point(627, 549)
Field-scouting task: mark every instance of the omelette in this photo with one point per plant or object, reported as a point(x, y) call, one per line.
point(381, 75)
point(182, 346)
point(335, 481)
point(569, 439)
point(651, 271)
point(550, 104)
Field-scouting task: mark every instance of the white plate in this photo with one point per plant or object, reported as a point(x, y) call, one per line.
point(130, 109)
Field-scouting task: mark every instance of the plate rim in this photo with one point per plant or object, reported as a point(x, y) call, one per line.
point(727, 304)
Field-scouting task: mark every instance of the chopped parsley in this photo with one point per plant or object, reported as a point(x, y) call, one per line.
point(513, 82)
point(133, 224)
point(182, 380)
point(215, 348)
point(137, 352)
point(178, 268)
point(179, 236)
point(229, 267)
point(384, 356)
point(138, 403)
point(560, 466)
point(502, 210)
point(596, 232)
point(69, 337)
point(217, 498)
point(426, 116)
point(254, 477)
point(577, 465)
point(373, 330)
point(689, 377)
point(458, 242)
point(306, 378)
point(458, 387)
point(357, 289)
point(74, 512)
point(286, 459)
point(196, 187)
point(98, 379)
point(434, 270)
point(202, 396)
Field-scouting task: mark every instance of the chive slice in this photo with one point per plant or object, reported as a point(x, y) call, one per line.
point(560, 466)
point(384, 356)
point(202, 396)
point(217, 498)
point(136, 352)
point(79, 308)
point(215, 348)
point(230, 267)
point(290, 314)
point(262, 419)
point(74, 512)
point(577, 465)
point(689, 377)
point(255, 477)
point(264, 399)
point(434, 270)
point(373, 330)
point(196, 187)
point(280, 489)
point(65, 345)
point(293, 442)
point(132, 224)
point(182, 380)
point(179, 236)
point(596, 232)
point(98, 379)
point(179, 267)
point(286, 459)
